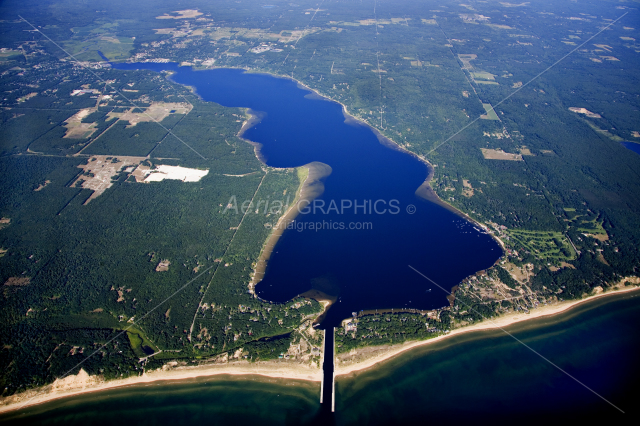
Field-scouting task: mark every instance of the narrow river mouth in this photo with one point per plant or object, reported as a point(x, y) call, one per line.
point(360, 235)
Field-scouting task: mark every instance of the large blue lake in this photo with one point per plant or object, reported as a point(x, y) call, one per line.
point(477, 378)
point(372, 187)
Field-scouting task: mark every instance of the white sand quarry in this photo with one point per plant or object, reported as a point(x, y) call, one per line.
point(184, 174)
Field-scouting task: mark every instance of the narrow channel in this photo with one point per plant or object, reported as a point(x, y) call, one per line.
point(370, 224)
point(328, 369)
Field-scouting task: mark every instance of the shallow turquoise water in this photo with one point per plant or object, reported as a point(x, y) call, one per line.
point(219, 401)
point(480, 378)
point(489, 377)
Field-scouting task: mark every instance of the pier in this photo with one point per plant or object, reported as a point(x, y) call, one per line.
point(327, 388)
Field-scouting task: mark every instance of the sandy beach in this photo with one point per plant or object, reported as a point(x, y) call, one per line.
point(311, 188)
point(375, 355)
point(82, 382)
point(365, 358)
point(369, 357)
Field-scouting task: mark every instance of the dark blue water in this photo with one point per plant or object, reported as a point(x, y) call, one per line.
point(635, 147)
point(365, 268)
point(479, 378)
point(490, 378)
point(222, 400)
point(102, 56)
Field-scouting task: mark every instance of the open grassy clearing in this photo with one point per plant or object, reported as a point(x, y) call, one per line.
point(138, 341)
point(76, 129)
point(86, 44)
point(483, 75)
point(604, 132)
point(157, 112)
point(496, 154)
point(181, 14)
point(225, 33)
point(466, 59)
point(8, 54)
point(594, 228)
point(591, 227)
point(552, 246)
point(491, 114)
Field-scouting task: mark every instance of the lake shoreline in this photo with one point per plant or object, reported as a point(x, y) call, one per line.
point(424, 191)
point(378, 355)
point(309, 189)
point(82, 383)
point(86, 384)
point(276, 369)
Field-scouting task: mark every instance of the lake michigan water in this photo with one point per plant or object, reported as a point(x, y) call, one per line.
point(489, 377)
point(480, 378)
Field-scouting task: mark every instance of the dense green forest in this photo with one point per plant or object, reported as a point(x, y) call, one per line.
point(75, 275)
point(390, 328)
